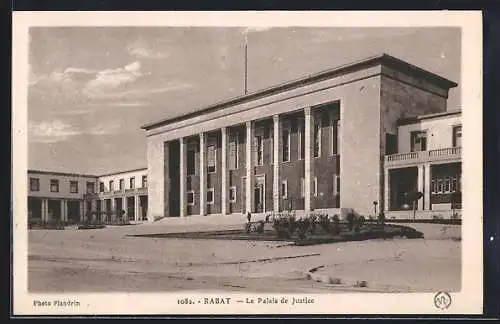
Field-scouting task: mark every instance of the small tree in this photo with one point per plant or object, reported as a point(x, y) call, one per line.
point(412, 197)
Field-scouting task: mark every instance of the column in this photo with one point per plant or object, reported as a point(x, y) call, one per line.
point(45, 210)
point(94, 209)
point(82, 211)
point(308, 157)
point(113, 209)
point(420, 186)
point(63, 209)
point(387, 190)
point(182, 183)
point(427, 186)
point(249, 166)
point(203, 175)
point(276, 162)
point(136, 208)
point(102, 215)
point(224, 174)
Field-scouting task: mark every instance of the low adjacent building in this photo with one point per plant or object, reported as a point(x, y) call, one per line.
point(72, 197)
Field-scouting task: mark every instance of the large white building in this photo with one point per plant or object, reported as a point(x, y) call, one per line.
point(361, 136)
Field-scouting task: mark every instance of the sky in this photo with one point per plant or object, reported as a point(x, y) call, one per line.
point(92, 88)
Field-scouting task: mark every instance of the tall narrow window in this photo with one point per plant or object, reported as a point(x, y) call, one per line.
point(210, 195)
point(286, 142)
point(259, 150)
point(418, 141)
point(211, 159)
point(54, 185)
point(90, 187)
point(302, 140)
point(34, 184)
point(190, 198)
point(101, 186)
point(335, 136)
point(232, 194)
point(190, 159)
point(122, 184)
point(453, 184)
point(144, 181)
point(336, 184)
point(73, 186)
point(233, 152)
point(457, 136)
point(284, 189)
point(339, 137)
point(132, 183)
point(317, 138)
point(315, 187)
point(111, 185)
point(302, 188)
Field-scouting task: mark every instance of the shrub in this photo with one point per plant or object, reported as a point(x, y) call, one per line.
point(324, 223)
point(303, 225)
point(336, 225)
point(312, 221)
point(284, 226)
point(351, 219)
point(260, 227)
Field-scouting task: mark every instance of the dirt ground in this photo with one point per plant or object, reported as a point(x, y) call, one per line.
point(107, 260)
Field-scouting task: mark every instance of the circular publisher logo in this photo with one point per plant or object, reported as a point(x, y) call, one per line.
point(442, 300)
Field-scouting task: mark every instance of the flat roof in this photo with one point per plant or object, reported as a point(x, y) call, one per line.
point(120, 172)
point(62, 173)
point(384, 59)
point(416, 119)
point(82, 175)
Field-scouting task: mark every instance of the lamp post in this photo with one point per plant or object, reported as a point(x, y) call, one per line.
point(375, 203)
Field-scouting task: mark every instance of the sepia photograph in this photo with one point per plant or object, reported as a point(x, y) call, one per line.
point(247, 167)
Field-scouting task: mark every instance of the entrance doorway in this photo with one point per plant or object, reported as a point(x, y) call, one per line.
point(258, 198)
point(259, 194)
point(130, 208)
point(54, 209)
point(34, 208)
point(73, 210)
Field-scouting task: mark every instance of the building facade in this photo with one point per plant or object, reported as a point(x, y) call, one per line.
point(326, 142)
point(121, 191)
point(428, 161)
point(58, 196)
point(73, 197)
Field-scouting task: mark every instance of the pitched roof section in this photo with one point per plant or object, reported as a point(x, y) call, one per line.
point(383, 59)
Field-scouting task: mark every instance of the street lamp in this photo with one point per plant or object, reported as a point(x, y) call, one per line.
point(375, 203)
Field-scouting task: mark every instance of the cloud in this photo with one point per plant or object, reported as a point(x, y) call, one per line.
point(50, 132)
point(141, 51)
point(110, 79)
point(106, 129)
point(143, 92)
point(127, 104)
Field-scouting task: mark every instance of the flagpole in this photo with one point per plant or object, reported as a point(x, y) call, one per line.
point(246, 63)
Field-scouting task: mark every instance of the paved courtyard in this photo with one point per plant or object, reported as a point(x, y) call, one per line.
point(107, 260)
